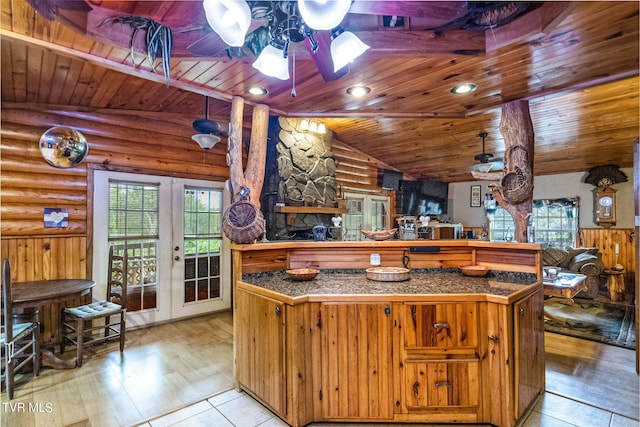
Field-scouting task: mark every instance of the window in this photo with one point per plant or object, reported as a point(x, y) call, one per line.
point(553, 223)
point(365, 212)
point(133, 227)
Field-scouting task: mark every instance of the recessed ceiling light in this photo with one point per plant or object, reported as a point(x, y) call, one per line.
point(358, 91)
point(256, 90)
point(463, 88)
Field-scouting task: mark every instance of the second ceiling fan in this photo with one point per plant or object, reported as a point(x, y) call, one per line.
point(487, 163)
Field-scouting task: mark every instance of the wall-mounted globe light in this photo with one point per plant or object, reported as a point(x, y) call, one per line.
point(63, 147)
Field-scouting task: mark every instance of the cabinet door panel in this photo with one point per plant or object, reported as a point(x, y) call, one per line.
point(356, 361)
point(529, 331)
point(260, 348)
point(447, 325)
point(431, 385)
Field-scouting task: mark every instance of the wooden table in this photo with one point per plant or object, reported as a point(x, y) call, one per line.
point(615, 284)
point(38, 293)
point(564, 286)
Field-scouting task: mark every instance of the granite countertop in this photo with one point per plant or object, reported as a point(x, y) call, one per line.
point(422, 281)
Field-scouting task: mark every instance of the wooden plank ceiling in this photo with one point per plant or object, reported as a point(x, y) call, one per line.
point(576, 62)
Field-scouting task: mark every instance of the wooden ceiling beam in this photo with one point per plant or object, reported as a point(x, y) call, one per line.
point(117, 66)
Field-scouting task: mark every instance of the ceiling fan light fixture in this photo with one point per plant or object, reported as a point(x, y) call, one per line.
point(206, 140)
point(483, 167)
point(464, 87)
point(323, 14)
point(230, 19)
point(273, 62)
point(345, 48)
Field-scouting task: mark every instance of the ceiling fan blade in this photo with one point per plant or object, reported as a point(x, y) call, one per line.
point(436, 13)
point(322, 57)
point(209, 45)
point(212, 45)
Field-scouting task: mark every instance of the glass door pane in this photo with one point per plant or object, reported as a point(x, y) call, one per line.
point(202, 243)
point(133, 227)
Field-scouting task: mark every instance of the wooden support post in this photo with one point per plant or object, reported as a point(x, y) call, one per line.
point(515, 192)
point(253, 178)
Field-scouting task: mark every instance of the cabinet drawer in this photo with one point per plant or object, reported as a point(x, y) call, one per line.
point(432, 385)
point(445, 325)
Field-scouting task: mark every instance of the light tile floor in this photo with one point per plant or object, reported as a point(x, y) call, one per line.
point(237, 409)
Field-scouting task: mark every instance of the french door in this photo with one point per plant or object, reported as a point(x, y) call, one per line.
point(178, 261)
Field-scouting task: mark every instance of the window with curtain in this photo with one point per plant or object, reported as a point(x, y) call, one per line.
point(553, 223)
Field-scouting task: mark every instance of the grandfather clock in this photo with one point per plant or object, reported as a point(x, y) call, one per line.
point(605, 208)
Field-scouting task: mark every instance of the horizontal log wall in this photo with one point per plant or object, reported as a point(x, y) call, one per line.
point(140, 141)
point(130, 142)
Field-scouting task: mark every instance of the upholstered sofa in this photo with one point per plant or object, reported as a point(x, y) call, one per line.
point(587, 261)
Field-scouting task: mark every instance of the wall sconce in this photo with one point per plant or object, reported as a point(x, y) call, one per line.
point(314, 126)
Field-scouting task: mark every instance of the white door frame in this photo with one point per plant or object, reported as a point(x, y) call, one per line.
point(165, 270)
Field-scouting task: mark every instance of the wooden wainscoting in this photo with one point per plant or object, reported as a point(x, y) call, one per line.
point(605, 240)
point(44, 258)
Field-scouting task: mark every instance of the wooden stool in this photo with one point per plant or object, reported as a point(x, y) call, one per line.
point(615, 284)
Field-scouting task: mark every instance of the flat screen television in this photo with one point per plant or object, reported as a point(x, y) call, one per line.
point(424, 197)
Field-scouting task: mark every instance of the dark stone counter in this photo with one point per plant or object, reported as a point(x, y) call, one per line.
point(422, 282)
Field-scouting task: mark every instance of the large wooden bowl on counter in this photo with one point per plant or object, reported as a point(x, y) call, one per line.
point(380, 234)
point(387, 274)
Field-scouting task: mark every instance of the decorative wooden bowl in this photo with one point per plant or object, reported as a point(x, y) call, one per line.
point(301, 274)
point(474, 270)
point(380, 234)
point(388, 274)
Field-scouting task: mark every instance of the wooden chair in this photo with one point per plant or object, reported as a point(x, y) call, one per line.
point(77, 323)
point(20, 341)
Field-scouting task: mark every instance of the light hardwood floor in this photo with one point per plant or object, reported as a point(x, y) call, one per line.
point(180, 374)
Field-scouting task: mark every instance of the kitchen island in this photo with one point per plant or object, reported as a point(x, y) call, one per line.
point(439, 347)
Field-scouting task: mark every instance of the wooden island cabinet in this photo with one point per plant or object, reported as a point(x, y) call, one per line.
point(339, 348)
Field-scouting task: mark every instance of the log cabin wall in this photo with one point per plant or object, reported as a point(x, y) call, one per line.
point(359, 173)
point(140, 142)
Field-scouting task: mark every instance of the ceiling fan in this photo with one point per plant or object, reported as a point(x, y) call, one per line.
point(487, 162)
point(209, 131)
point(249, 28)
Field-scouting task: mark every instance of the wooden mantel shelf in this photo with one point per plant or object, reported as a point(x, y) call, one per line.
point(309, 210)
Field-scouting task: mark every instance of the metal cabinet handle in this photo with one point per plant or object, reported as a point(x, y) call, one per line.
point(522, 312)
point(278, 311)
point(441, 325)
point(387, 310)
point(443, 384)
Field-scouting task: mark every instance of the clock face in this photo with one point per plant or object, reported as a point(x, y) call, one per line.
point(605, 201)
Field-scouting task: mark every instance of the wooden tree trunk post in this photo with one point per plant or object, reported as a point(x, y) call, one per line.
point(515, 192)
point(253, 178)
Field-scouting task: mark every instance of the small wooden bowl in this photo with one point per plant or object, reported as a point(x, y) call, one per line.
point(301, 274)
point(474, 270)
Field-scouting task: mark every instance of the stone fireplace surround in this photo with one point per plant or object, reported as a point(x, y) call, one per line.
point(300, 171)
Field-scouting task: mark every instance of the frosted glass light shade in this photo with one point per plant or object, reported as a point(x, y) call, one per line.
point(206, 140)
point(345, 48)
point(323, 14)
point(271, 62)
point(230, 19)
